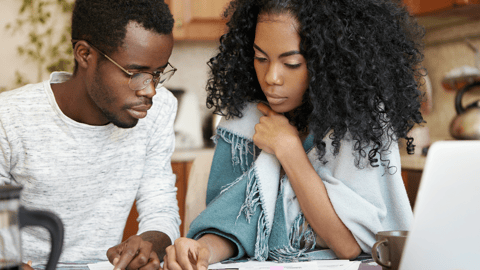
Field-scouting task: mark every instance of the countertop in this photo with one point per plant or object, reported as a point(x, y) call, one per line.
point(185, 155)
point(412, 162)
point(417, 160)
point(409, 162)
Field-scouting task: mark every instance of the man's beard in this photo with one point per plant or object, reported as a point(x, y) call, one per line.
point(101, 94)
point(114, 120)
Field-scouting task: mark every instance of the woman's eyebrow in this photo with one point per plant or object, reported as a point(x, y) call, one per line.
point(285, 54)
point(258, 48)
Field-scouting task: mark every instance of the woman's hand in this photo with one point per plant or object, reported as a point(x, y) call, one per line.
point(186, 254)
point(274, 132)
point(189, 254)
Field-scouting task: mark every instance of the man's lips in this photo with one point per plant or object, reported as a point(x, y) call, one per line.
point(139, 111)
point(141, 108)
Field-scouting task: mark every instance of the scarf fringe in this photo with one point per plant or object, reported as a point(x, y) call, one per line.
point(300, 232)
point(261, 244)
point(248, 209)
point(252, 197)
point(240, 148)
point(287, 254)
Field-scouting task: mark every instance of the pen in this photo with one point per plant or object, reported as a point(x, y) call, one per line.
point(191, 258)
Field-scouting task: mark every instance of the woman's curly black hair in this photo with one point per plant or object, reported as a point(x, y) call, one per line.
point(363, 59)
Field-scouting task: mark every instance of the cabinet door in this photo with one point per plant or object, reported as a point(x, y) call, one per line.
point(198, 19)
point(411, 179)
point(419, 7)
point(178, 169)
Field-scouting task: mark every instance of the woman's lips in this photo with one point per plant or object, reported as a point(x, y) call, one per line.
point(275, 100)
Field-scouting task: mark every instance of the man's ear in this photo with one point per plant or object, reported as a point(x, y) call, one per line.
point(82, 51)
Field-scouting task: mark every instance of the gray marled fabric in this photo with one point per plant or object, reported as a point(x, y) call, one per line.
point(88, 175)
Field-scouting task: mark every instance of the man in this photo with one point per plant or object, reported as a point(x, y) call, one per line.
point(87, 145)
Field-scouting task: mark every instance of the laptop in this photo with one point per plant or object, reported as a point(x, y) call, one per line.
point(445, 233)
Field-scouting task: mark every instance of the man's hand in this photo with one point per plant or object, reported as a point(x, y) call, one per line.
point(27, 266)
point(134, 253)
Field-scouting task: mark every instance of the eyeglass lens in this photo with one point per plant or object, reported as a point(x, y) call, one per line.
point(140, 81)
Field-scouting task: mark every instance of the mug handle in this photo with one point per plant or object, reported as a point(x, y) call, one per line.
point(52, 223)
point(375, 254)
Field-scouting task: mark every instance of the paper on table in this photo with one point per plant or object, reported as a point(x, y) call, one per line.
point(255, 265)
point(310, 265)
point(106, 265)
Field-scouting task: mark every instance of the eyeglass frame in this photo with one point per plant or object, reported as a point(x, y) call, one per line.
point(158, 75)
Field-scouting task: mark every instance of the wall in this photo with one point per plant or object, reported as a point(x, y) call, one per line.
point(444, 51)
point(8, 53)
point(190, 58)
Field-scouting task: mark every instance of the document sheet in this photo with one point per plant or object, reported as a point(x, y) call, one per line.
point(255, 265)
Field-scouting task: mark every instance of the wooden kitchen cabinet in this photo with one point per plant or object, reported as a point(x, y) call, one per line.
point(420, 7)
point(182, 170)
point(438, 14)
point(411, 179)
point(198, 19)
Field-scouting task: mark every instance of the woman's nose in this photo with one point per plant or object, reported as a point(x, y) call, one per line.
point(274, 75)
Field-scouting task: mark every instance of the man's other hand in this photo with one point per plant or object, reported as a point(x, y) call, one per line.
point(134, 253)
point(27, 266)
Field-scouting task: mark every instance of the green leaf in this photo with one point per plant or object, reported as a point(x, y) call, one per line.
point(61, 64)
point(20, 79)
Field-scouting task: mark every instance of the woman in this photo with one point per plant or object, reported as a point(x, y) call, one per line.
point(324, 89)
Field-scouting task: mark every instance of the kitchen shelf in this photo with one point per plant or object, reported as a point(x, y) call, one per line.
point(453, 16)
point(198, 19)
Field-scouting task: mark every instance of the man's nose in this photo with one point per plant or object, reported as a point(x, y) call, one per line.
point(148, 91)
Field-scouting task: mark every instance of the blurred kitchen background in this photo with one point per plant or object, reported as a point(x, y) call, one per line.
point(451, 53)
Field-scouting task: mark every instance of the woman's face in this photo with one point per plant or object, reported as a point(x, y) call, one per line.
point(281, 69)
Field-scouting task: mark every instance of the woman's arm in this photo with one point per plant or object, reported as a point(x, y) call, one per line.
point(219, 247)
point(314, 201)
point(276, 136)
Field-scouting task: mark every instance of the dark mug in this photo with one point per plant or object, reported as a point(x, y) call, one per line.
point(387, 251)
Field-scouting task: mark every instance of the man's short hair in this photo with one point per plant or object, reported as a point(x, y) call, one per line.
point(103, 22)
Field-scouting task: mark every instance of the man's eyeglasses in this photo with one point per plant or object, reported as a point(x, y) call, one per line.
point(140, 80)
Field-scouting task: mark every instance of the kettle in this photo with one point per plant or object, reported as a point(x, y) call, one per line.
point(13, 217)
point(466, 124)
